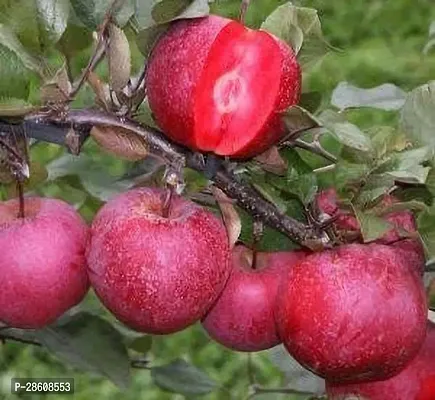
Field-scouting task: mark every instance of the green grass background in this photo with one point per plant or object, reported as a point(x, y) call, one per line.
point(381, 41)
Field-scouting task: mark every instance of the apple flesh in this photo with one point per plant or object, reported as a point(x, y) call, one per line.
point(242, 319)
point(157, 273)
point(42, 261)
point(215, 85)
point(353, 313)
point(415, 382)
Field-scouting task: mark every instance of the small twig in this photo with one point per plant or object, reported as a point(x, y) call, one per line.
point(314, 147)
point(243, 9)
point(100, 48)
point(326, 168)
point(93, 62)
point(140, 79)
point(256, 389)
point(257, 233)
point(166, 209)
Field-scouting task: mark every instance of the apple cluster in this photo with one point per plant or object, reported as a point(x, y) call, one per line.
point(355, 315)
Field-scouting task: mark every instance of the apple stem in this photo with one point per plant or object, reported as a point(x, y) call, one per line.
point(168, 201)
point(257, 234)
point(21, 211)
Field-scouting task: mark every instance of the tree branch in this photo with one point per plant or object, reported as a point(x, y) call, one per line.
point(50, 125)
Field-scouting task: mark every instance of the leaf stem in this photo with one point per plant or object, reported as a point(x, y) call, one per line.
point(314, 147)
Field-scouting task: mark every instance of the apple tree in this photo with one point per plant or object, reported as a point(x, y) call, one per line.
point(163, 165)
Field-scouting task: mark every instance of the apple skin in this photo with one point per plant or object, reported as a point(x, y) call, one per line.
point(175, 77)
point(42, 261)
point(242, 319)
point(415, 382)
point(353, 313)
point(411, 249)
point(157, 275)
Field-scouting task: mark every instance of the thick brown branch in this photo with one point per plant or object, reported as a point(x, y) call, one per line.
point(177, 156)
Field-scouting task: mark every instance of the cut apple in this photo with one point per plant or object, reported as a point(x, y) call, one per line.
point(216, 86)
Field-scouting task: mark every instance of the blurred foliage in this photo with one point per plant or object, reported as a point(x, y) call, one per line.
point(379, 42)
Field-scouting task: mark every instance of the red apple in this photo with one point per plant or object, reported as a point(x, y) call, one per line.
point(158, 274)
point(42, 261)
point(216, 85)
point(243, 317)
point(415, 382)
point(353, 313)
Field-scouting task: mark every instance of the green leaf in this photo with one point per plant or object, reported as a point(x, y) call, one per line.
point(407, 167)
point(347, 173)
point(310, 101)
point(384, 97)
point(75, 39)
point(297, 377)
point(38, 24)
point(413, 175)
point(92, 12)
point(372, 227)
point(14, 82)
point(300, 27)
point(53, 17)
point(154, 12)
point(375, 187)
point(303, 187)
point(9, 41)
point(84, 10)
point(181, 377)
point(346, 133)
point(63, 190)
point(90, 343)
point(417, 117)
point(147, 38)
point(350, 135)
point(270, 193)
point(426, 229)
point(386, 139)
point(297, 120)
point(296, 165)
point(94, 177)
point(413, 205)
